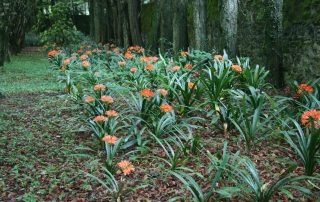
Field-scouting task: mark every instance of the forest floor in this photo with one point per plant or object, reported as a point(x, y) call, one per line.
point(39, 136)
point(44, 149)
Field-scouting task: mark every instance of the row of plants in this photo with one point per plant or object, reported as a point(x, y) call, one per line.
point(137, 104)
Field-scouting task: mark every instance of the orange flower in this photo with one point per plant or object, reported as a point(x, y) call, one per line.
point(101, 118)
point(116, 50)
point(133, 69)
point(143, 59)
point(175, 68)
point(89, 99)
point(112, 113)
point(128, 55)
point(311, 118)
point(191, 85)
point(165, 108)
point(305, 87)
point(80, 51)
point(63, 68)
point(99, 87)
point(163, 92)
point(184, 54)
point(88, 52)
point(122, 63)
point(188, 66)
point(218, 57)
point(154, 59)
point(67, 61)
point(126, 167)
point(52, 53)
point(147, 93)
point(84, 57)
point(110, 139)
point(107, 99)
point(86, 64)
point(236, 68)
point(149, 67)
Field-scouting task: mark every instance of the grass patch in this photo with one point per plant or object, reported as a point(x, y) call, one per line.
point(28, 74)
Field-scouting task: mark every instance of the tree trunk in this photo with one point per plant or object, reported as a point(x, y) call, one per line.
point(154, 35)
point(120, 22)
point(273, 41)
point(109, 18)
point(180, 37)
point(91, 12)
point(2, 50)
point(114, 12)
point(229, 26)
point(5, 12)
point(199, 23)
point(134, 22)
point(165, 24)
point(99, 26)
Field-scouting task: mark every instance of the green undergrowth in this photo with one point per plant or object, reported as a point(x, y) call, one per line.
point(27, 74)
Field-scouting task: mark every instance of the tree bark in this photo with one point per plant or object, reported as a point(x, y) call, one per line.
point(134, 22)
point(273, 41)
point(4, 30)
point(120, 22)
point(99, 25)
point(180, 37)
point(229, 26)
point(91, 13)
point(165, 24)
point(115, 21)
point(199, 23)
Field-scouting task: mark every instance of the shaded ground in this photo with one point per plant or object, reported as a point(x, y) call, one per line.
point(38, 137)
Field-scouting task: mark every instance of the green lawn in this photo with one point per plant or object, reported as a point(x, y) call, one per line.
point(28, 74)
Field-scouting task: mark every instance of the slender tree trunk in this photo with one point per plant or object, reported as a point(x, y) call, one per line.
point(109, 18)
point(134, 22)
point(2, 50)
point(166, 23)
point(91, 12)
point(99, 23)
point(229, 26)
point(199, 23)
point(5, 13)
point(120, 22)
point(97, 28)
point(154, 35)
point(180, 37)
point(114, 12)
point(273, 41)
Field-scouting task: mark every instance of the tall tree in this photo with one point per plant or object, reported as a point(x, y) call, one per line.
point(199, 24)
point(229, 26)
point(273, 41)
point(180, 36)
point(153, 36)
point(5, 6)
point(133, 6)
point(115, 20)
point(23, 16)
point(99, 21)
point(91, 13)
point(165, 23)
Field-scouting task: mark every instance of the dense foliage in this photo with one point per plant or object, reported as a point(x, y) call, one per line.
point(137, 104)
point(56, 26)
